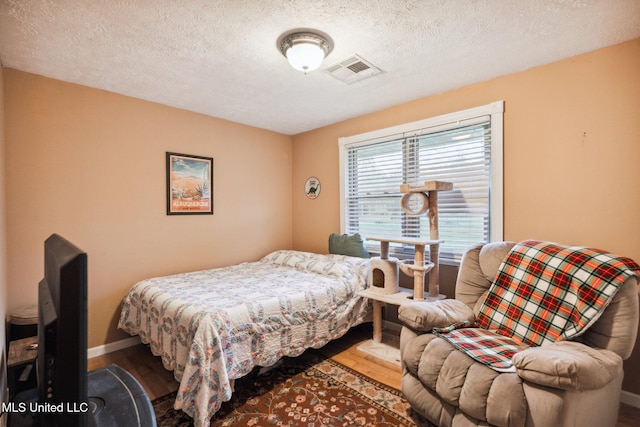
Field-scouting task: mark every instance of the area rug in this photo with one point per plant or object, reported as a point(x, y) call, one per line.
point(308, 391)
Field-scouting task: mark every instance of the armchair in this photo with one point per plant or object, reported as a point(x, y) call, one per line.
point(574, 382)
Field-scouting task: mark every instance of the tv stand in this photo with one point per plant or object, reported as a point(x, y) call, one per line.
point(115, 398)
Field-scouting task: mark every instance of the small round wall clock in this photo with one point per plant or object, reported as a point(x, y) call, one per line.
point(312, 187)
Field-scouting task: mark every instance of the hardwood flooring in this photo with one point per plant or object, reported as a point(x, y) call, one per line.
point(158, 382)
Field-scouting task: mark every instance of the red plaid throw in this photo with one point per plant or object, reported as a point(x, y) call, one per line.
point(543, 293)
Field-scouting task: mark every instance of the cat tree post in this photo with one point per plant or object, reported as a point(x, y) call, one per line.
point(418, 275)
point(384, 249)
point(434, 250)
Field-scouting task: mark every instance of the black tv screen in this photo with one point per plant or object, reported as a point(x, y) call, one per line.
point(62, 336)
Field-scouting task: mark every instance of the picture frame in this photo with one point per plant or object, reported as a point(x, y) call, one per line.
point(189, 184)
point(312, 188)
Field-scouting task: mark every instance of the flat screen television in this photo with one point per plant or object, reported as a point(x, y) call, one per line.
point(62, 336)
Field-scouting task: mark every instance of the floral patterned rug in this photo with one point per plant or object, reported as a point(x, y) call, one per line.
point(308, 391)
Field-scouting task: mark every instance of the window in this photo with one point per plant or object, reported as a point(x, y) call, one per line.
point(464, 148)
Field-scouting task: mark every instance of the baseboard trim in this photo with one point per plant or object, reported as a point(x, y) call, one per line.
point(630, 399)
point(112, 346)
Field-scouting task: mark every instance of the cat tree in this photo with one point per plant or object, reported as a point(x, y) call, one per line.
point(383, 275)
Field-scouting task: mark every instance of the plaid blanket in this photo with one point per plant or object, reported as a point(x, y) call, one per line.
point(543, 293)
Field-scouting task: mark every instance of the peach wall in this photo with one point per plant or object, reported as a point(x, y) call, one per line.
point(571, 156)
point(3, 248)
point(90, 165)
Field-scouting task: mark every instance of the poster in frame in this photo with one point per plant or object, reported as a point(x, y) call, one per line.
point(189, 184)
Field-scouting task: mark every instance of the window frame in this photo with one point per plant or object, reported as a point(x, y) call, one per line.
point(446, 121)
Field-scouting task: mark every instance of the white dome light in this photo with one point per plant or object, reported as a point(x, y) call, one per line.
point(305, 51)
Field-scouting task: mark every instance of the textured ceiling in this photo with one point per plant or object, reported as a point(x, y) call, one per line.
point(220, 57)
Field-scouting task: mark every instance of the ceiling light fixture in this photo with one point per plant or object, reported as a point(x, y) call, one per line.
point(305, 50)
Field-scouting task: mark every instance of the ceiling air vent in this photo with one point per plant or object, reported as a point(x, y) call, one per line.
point(353, 70)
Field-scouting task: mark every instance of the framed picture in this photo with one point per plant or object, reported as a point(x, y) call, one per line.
point(189, 185)
point(312, 187)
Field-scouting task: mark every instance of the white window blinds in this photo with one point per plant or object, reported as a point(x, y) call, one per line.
point(462, 152)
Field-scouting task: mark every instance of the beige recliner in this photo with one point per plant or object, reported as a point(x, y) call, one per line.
point(567, 383)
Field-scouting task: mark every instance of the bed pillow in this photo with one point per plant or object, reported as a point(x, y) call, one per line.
point(343, 244)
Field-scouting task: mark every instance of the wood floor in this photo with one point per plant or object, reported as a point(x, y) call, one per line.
point(158, 382)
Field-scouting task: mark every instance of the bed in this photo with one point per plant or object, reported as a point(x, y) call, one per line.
point(213, 326)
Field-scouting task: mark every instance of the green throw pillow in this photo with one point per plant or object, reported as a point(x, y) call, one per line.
point(343, 244)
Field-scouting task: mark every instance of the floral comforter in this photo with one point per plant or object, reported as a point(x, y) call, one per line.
point(213, 326)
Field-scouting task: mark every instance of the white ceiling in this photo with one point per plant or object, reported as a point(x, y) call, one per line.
point(220, 57)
